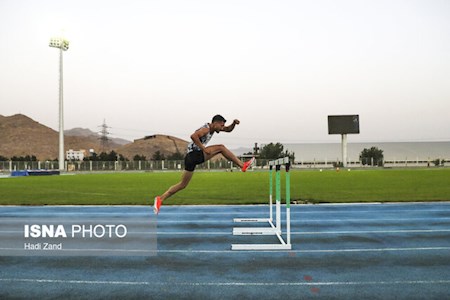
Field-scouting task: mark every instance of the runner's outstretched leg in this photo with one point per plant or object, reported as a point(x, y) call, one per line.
point(185, 179)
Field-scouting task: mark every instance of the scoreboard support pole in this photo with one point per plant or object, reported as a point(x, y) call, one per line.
point(344, 150)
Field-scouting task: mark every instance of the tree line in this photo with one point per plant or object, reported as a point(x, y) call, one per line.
point(103, 156)
point(369, 156)
point(19, 158)
point(114, 156)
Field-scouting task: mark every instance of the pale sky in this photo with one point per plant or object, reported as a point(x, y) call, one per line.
point(280, 67)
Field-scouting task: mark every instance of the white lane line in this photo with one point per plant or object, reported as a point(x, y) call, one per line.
point(296, 211)
point(181, 213)
point(309, 232)
point(311, 220)
point(228, 232)
point(212, 220)
point(194, 284)
point(312, 251)
point(293, 232)
point(372, 231)
point(362, 250)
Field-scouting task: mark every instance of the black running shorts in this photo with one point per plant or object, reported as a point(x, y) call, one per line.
point(192, 159)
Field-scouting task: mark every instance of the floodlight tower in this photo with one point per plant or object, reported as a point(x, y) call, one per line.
point(63, 45)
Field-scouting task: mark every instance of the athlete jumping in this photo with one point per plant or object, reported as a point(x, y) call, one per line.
point(198, 152)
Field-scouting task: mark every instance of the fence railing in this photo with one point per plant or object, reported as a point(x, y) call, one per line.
point(87, 166)
point(92, 166)
point(367, 164)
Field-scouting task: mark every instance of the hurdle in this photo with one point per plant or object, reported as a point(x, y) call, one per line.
point(273, 229)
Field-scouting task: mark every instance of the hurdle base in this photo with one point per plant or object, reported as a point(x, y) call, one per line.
point(261, 247)
point(248, 220)
point(255, 231)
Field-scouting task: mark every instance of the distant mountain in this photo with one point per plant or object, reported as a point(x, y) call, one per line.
point(241, 150)
point(85, 132)
point(80, 132)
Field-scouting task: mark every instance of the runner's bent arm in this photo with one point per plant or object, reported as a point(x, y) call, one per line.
point(231, 127)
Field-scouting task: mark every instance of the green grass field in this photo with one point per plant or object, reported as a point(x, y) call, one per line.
point(388, 185)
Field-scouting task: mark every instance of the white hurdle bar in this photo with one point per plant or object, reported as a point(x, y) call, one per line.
point(273, 229)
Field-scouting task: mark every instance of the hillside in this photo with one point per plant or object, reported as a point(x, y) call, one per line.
point(149, 145)
point(23, 136)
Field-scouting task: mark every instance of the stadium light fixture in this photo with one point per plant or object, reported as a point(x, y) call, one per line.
point(63, 45)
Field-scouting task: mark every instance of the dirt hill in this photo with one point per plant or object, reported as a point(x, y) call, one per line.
point(21, 136)
point(147, 146)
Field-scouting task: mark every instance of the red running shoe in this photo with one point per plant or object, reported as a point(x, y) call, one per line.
point(157, 205)
point(247, 164)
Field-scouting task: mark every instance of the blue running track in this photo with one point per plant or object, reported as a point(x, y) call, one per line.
point(363, 251)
